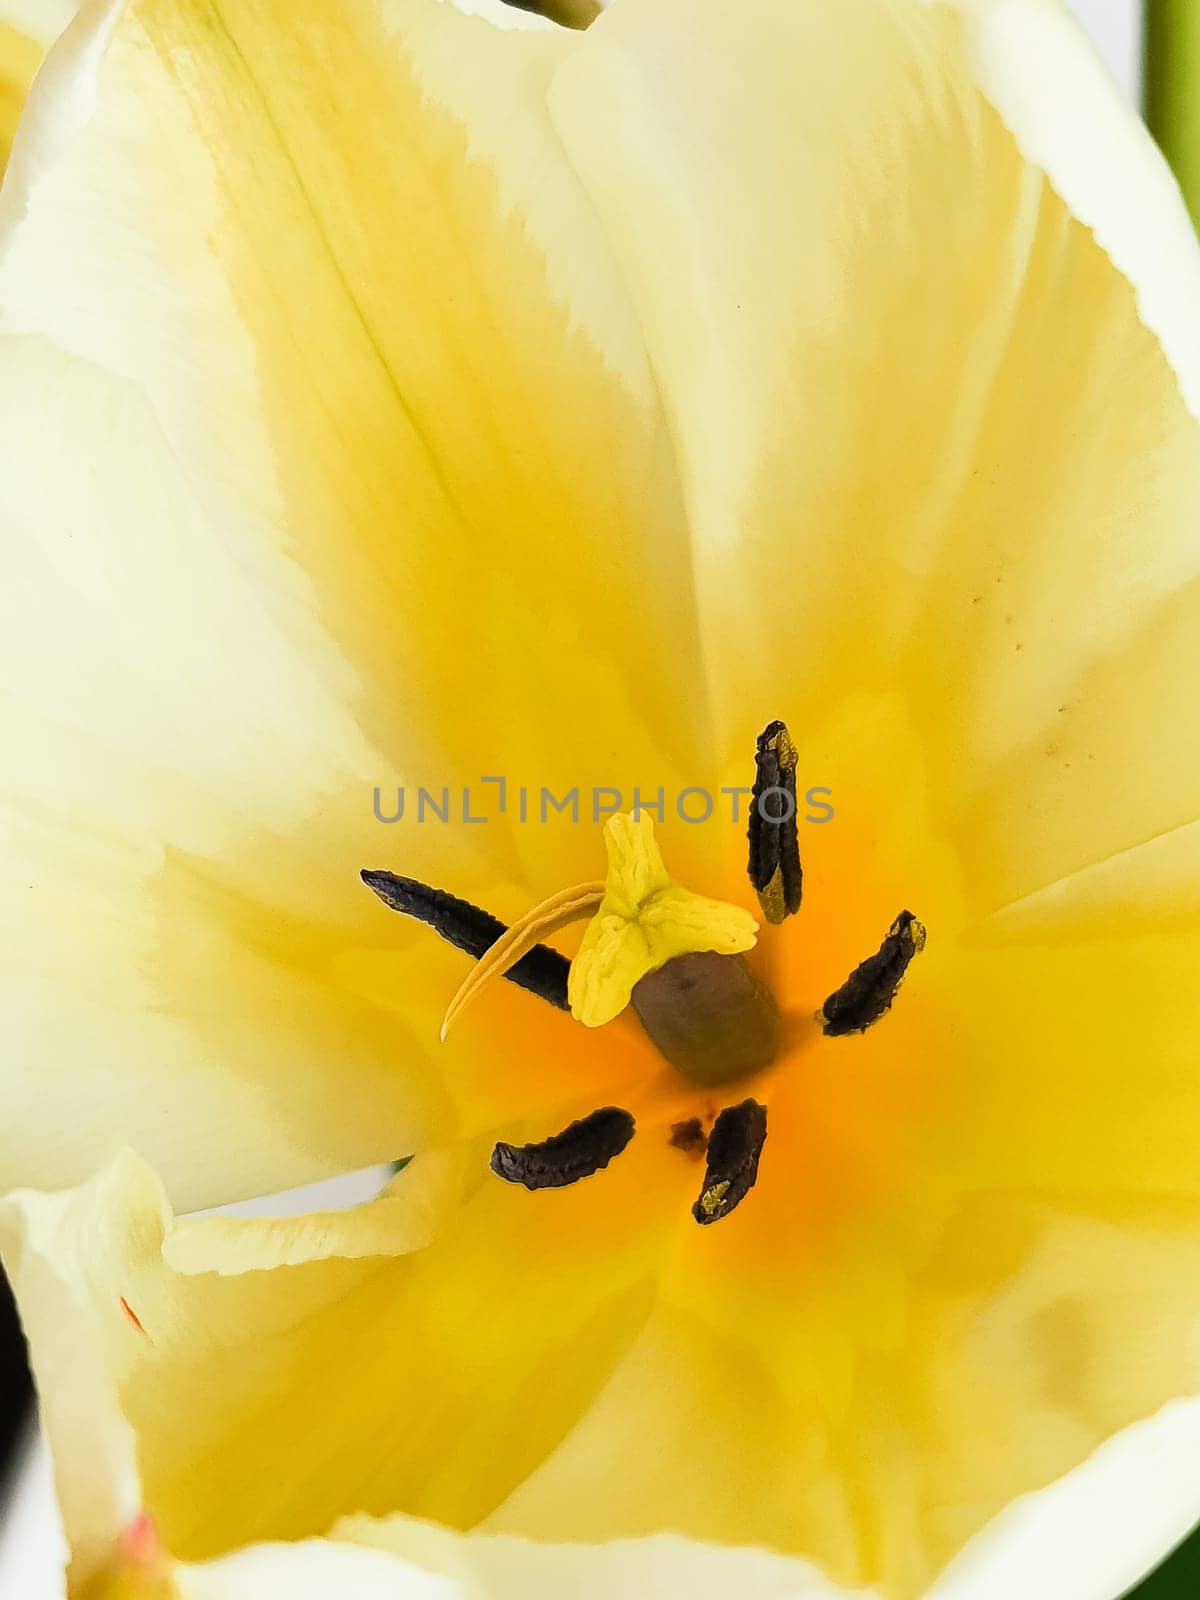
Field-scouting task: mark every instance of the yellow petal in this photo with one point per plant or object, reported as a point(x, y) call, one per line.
point(1079, 1021)
point(318, 382)
point(930, 446)
point(1034, 1360)
point(1099, 155)
point(405, 1216)
point(644, 920)
point(623, 1328)
point(241, 1402)
point(995, 455)
point(56, 1249)
point(1060, 1536)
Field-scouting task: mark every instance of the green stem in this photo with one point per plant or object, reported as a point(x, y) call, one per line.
point(1172, 92)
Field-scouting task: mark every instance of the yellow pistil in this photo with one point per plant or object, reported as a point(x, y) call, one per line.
point(645, 919)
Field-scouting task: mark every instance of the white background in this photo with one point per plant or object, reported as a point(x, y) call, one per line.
point(1115, 25)
point(29, 1539)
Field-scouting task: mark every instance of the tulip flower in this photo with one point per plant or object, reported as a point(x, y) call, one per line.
point(793, 409)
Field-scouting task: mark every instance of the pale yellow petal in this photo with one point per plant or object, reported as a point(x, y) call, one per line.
point(318, 382)
point(406, 1215)
point(980, 1383)
point(41, 21)
point(61, 1253)
point(1038, 68)
point(935, 461)
point(929, 447)
point(791, 1389)
point(1068, 1034)
point(237, 1401)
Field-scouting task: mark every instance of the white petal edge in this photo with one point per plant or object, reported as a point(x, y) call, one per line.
point(1088, 1536)
point(1097, 1531)
point(1061, 104)
point(60, 100)
point(314, 1571)
point(665, 1566)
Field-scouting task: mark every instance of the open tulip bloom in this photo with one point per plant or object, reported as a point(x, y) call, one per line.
point(616, 613)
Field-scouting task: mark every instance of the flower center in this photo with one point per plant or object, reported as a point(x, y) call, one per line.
point(678, 959)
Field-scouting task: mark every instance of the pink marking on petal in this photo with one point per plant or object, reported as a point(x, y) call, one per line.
point(139, 1542)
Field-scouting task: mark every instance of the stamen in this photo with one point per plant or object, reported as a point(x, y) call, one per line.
point(774, 837)
point(585, 1147)
point(542, 971)
point(550, 916)
point(870, 989)
point(734, 1146)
